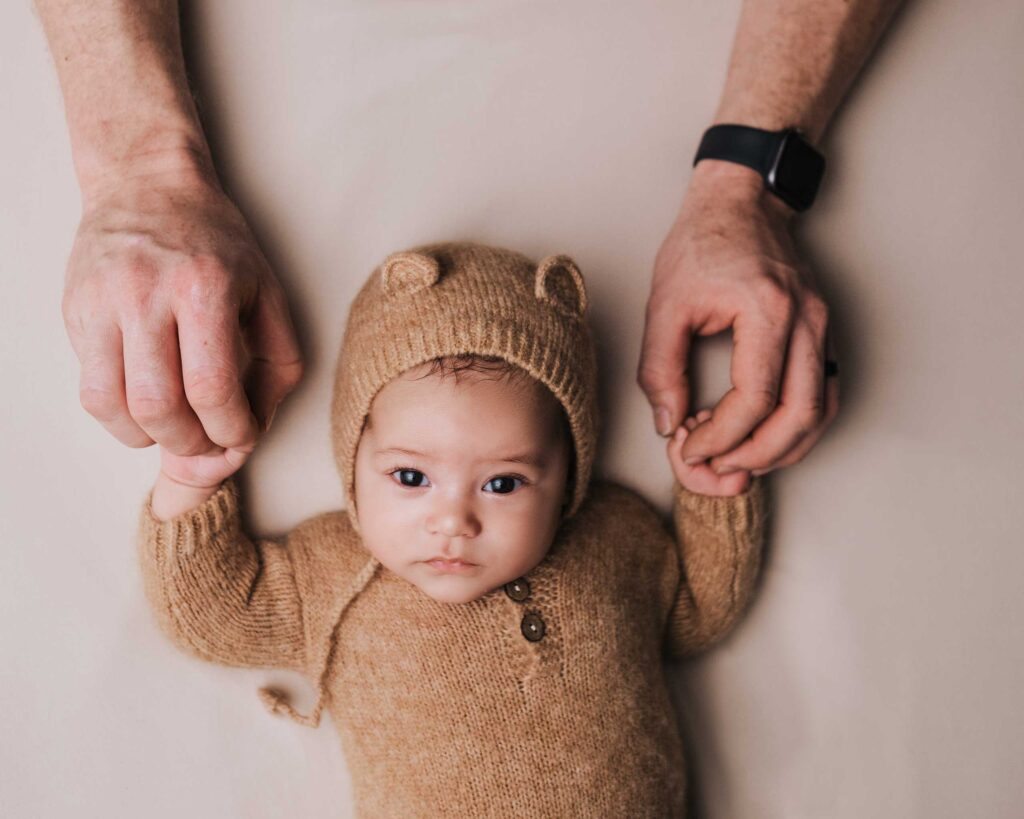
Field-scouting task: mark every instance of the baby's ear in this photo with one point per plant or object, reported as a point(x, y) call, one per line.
point(406, 272)
point(558, 281)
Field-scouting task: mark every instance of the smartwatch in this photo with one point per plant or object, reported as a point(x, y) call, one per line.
point(791, 167)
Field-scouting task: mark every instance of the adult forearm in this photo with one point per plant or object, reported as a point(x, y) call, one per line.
point(794, 60)
point(126, 95)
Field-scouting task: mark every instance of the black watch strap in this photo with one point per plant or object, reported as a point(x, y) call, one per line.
point(792, 169)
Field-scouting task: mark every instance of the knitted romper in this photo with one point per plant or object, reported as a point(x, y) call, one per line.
point(545, 697)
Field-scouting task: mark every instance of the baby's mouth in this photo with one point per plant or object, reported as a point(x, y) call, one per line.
point(445, 564)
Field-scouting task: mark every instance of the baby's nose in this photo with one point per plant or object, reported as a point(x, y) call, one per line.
point(455, 521)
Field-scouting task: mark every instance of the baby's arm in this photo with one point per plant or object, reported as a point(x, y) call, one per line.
point(215, 592)
point(719, 524)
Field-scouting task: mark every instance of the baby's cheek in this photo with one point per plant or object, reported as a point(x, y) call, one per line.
point(387, 540)
point(527, 551)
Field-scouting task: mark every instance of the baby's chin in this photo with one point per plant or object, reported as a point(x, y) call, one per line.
point(459, 587)
point(457, 591)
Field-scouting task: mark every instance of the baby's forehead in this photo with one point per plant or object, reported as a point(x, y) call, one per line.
point(478, 400)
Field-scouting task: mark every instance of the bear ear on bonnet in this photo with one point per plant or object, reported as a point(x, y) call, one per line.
point(407, 272)
point(558, 281)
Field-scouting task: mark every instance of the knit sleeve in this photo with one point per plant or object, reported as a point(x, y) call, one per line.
point(217, 594)
point(719, 544)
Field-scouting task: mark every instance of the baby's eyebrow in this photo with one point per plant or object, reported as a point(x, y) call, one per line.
point(396, 450)
point(527, 458)
point(533, 459)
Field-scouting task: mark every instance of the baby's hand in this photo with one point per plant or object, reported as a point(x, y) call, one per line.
point(186, 481)
point(206, 470)
point(701, 478)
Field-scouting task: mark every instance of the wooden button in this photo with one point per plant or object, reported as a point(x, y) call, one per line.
point(518, 589)
point(532, 627)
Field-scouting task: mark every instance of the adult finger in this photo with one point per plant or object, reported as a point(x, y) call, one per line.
point(759, 351)
point(101, 382)
point(212, 363)
point(801, 403)
point(664, 364)
point(808, 442)
point(153, 386)
point(276, 365)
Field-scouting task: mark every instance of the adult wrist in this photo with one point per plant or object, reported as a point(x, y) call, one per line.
point(730, 184)
point(173, 155)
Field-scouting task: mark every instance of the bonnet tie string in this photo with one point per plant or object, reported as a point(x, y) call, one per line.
point(276, 701)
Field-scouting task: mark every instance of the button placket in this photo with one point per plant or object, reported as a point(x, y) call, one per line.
point(532, 625)
point(518, 589)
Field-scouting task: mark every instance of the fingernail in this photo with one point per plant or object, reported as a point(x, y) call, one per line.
point(759, 471)
point(270, 419)
point(693, 459)
point(662, 421)
point(726, 470)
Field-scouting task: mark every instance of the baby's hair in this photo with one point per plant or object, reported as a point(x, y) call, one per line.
point(470, 362)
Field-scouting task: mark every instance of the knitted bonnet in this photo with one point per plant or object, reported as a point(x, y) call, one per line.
point(456, 298)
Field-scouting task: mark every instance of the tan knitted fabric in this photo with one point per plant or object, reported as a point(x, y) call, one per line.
point(449, 298)
point(543, 698)
point(459, 710)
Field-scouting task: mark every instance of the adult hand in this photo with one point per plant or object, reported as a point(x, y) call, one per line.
point(729, 262)
point(180, 327)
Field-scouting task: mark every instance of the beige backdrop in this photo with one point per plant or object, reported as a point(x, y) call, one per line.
point(880, 671)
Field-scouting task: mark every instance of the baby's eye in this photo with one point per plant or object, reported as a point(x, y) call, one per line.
point(410, 477)
point(504, 484)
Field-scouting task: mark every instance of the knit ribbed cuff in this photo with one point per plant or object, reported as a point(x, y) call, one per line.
point(733, 512)
point(215, 517)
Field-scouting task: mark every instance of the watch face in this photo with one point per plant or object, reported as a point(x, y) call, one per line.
point(797, 171)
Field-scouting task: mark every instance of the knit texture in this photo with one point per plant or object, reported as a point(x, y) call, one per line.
point(544, 698)
point(451, 298)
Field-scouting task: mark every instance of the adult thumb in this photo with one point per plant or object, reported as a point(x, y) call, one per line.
point(276, 364)
point(663, 371)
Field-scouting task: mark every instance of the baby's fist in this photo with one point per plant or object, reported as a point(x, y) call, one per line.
point(207, 469)
point(700, 477)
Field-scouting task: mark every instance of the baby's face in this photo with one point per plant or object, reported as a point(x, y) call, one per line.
point(438, 475)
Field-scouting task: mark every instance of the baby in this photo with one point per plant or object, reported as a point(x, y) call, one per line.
point(485, 623)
